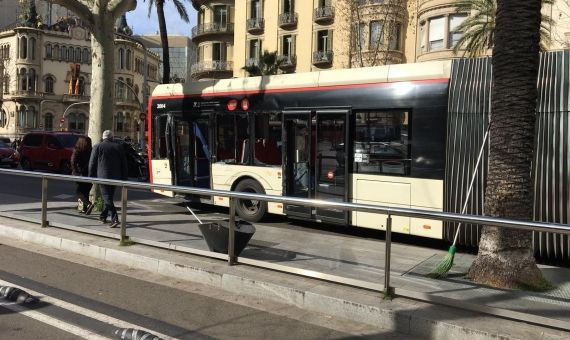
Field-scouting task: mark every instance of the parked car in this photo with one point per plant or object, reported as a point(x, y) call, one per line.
point(47, 151)
point(8, 155)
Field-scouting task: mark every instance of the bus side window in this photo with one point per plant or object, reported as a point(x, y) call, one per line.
point(160, 142)
point(382, 142)
point(267, 139)
point(225, 151)
point(242, 139)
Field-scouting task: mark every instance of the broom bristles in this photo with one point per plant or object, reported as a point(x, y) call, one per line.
point(444, 266)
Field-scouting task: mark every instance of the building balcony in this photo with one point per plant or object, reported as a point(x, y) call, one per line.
point(255, 25)
point(25, 94)
point(287, 62)
point(322, 58)
point(212, 69)
point(287, 20)
point(127, 101)
point(252, 62)
point(212, 28)
point(324, 14)
point(75, 98)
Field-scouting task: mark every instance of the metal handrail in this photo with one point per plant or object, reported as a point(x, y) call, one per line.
point(345, 206)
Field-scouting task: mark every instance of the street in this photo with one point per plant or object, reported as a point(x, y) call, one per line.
point(80, 300)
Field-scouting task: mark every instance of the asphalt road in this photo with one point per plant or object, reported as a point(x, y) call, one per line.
point(80, 300)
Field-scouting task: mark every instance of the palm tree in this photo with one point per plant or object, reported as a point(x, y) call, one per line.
point(505, 257)
point(478, 29)
point(267, 65)
point(163, 33)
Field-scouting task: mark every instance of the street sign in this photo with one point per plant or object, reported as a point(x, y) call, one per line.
point(62, 120)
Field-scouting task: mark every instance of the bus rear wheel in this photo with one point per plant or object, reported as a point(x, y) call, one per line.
point(251, 210)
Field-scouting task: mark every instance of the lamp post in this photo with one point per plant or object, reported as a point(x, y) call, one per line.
point(141, 106)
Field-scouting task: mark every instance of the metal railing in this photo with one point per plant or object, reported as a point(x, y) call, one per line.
point(287, 19)
point(322, 57)
point(211, 66)
point(212, 27)
point(324, 13)
point(344, 206)
point(255, 24)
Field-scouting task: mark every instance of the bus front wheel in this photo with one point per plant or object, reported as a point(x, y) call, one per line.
point(251, 210)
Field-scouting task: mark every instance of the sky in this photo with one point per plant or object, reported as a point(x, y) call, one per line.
point(142, 24)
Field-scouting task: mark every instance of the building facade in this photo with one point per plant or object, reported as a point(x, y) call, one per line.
point(214, 39)
point(47, 79)
point(312, 35)
point(182, 53)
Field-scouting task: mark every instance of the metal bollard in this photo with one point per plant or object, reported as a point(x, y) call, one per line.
point(232, 234)
point(124, 238)
point(44, 201)
point(387, 289)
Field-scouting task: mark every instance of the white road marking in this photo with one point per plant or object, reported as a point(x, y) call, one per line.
point(41, 317)
point(84, 311)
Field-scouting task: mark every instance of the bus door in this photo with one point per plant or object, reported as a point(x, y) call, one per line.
point(331, 163)
point(188, 149)
point(298, 174)
point(316, 161)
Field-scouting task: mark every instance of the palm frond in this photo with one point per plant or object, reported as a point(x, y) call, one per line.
point(181, 10)
point(150, 7)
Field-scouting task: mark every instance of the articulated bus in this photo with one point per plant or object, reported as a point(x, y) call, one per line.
point(403, 135)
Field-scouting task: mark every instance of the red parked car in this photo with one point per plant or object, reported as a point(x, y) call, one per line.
point(47, 151)
point(8, 155)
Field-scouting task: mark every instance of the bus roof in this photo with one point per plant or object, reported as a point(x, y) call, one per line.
point(378, 74)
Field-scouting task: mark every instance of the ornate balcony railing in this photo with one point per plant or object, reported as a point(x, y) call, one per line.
point(287, 19)
point(322, 57)
point(212, 28)
point(325, 13)
point(75, 98)
point(255, 24)
point(252, 62)
point(287, 61)
point(211, 66)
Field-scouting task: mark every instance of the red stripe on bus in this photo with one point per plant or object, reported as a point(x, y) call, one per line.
point(301, 89)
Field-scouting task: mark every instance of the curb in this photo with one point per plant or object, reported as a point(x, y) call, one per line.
point(404, 316)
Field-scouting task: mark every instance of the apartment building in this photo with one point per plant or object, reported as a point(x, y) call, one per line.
point(47, 78)
point(214, 39)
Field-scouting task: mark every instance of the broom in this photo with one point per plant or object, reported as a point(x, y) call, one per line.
point(443, 267)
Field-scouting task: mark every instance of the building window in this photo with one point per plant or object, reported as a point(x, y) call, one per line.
point(127, 122)
point(436, 33)
point(63, 53)
point(382, 142)
point(120, 88)
point(48, 121)
point(129, 89)
point(288, 46)
point(6, 84)
point(396, 31)
point(85, 58)
point(376, 34)
point(49, 84)
point(55, 52)
point(69, 54)
point(3, 118)
point(324, 41)
point(119, 122)
point(359, 40)
point(81, 86)
point(5, 52)
point(254, 52)
point(454, 21)
point(23, 48)
point(221, 15)
point(77, 54)
point(48, 51)
point(23, 79)
point(255, 9)
point(32, 48)
point(27, 117)
point(76, 122)
point(128, 60)
point(32, 80)
point(121, 58)
point(288, 6)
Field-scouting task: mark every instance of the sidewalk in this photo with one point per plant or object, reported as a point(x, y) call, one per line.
point(351, 257)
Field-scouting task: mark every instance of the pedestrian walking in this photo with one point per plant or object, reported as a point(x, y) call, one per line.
point(108, 161)
point(80, 167)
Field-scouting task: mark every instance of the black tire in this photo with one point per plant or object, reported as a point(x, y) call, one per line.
point(250, 210)
point(26, 165)
point(65, 168)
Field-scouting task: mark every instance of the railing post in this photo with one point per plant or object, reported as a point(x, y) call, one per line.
point(124, 237)
point(232, 229)
point(44, 201)
point(387, 289)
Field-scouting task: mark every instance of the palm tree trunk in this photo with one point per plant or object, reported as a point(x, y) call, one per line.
point(164, 41)
point(505, 257)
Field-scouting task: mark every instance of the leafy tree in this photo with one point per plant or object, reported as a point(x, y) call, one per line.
point(268, 64)
point(99, 16)
point(181, 9)
point(505, 257)
point(478, 29)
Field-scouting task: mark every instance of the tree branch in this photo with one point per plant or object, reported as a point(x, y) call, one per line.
point(118, 7)
point(79, 7)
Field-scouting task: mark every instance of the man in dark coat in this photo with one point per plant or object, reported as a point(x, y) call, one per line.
point(108, 160)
